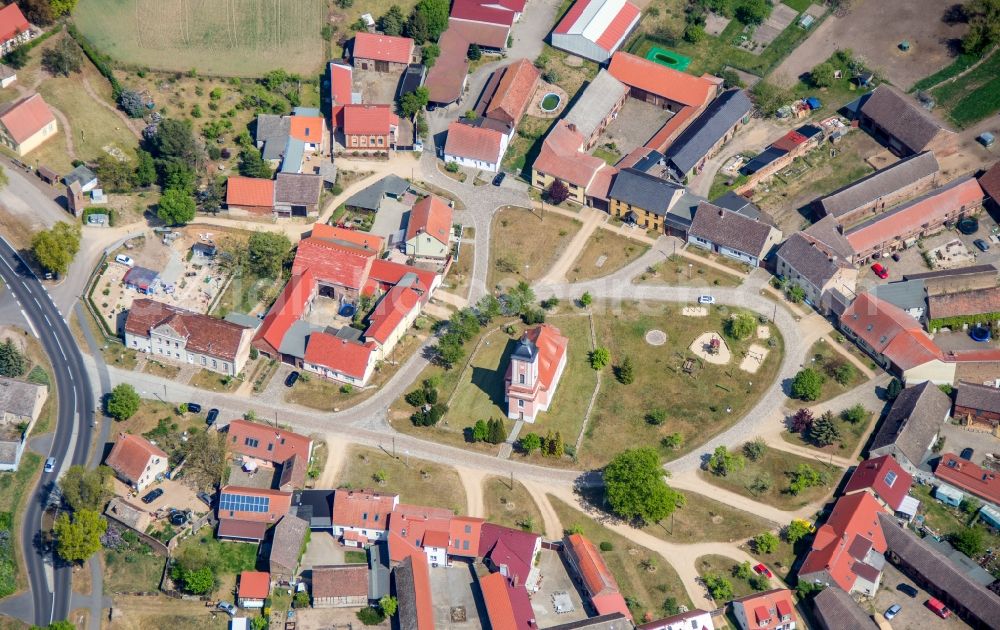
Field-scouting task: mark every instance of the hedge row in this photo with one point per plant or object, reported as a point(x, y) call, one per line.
point(956, 323)
point(101, 62)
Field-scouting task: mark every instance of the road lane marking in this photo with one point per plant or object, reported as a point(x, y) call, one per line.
point(30, 324)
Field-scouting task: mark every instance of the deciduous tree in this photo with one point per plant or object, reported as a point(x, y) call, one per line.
point(796, 530)
point(557, 192)
point(722, 462)
point(807, 385)
point(86, 489)
point(123, 402)
point(765, 542)
point(176, 207)
point(635, 488)
point(266, 252)
point(65, 58)
point(55, 248)
point(600, 357)
point(80, 537)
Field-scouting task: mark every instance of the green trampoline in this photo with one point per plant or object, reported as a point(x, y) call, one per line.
point(668, 58)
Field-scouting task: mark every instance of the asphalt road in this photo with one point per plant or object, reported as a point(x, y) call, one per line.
point(51, 585)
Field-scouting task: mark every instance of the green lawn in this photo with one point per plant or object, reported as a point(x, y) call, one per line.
point(776, 467)
point(826, 360)
point(798, 5)
point(974, 96)
point(12, 487)
point(132, 570)
point(511, 507)
point(227, 559)
point(645, 590)
point(697, 405)
point(414, 480)
point(678, 271)
point(609, 156)
point(724, 566)
point(850, 434)
point(525, 145)
point(945, 520)
point(352, 556)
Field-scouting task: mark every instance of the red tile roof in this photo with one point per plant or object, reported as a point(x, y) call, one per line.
point(414, 526)
point(551, 349)
point(482, 11)
point(789, 141)
point(383, 47)
point(285, 311)
point(601, 186)
point(510, 548)
point(967, 476)
point(485, 34)
point(355, 237)
point(596, 577)
point(205, 335)
point(341, 88)
point(131, 454)
point(841, 544)
point(499, 608)
point(618, 27)
point(560, 157)
point(447, 76)
point(250, 191)
point(671, 129)
point(279, 504)
point(872, 475)
point(387, 273)
point(423, 601)
point(465, 533)
point(307, 128)
point(340, 355)
point(12, 22)
point(26, 117)
point(432, 216)
point(273, 444)
point(890, 331)
point(350, 508)
point(348, 580)
point(254, 585)
point(474, 143)
point(390, 311)
point(990, 182)
point(244, 530)
point(613, 30)
point(765, 610)
point(668, 83)
point(364, 120)
point(333, 262)
point(514, 92)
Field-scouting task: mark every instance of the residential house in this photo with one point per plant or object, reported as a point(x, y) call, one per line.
point(989, 181)
point(911, 427)
point(902, 226)
point(848, 549)
point(369, 127)
point(882, 189)
point(596, 107)
point(969, 477)
point(834, 609)
point(286, 142)
point(26, 123)
point(595, 29)
point(428, 231)
point(371, 198)
point(246, 513)
point(421, 530)
point(646, 200)
point(136, 461)
point(382, 53)
point(14, 28)
point(413, 594)
point(479, 146)
point(931, 570)
point(339, 359)
point(779, 154)
point(977, 406)
point(341, 77)
point(250, 196)
point(732, 234)
point(392, 317)
point(253, 589)
point(909, 295)
point(904, 126)
point(696, 619)
point(535, 367)
point(341, 586)
point(361, 517)
point(590, 571)
point(511, 552)
point(959, 309)
point(587, 178)
point(702, 139)
point(20, 404)
point(508, 92)
point(806, 262)
point(287, 545)
point(85, 178)
point(770, 610)
point(297, 194)
point(289, 450)
point(885, 479)
point(181, 336)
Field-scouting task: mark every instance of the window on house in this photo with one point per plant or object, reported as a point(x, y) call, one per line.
point(376, 518)
point(215, 363)
point(364, 516)
point(890, 478)
point(522, 379)
point(270, 447)
point(465, 545)
point(251, 442)
point(520, 403)
point(468, 529)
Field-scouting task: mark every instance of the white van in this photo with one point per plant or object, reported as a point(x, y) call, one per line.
point(125, 260)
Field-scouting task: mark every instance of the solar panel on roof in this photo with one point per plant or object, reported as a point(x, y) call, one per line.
point(244, 503)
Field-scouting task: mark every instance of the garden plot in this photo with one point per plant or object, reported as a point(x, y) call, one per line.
point(781, 18)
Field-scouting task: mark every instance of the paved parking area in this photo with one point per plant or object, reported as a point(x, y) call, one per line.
point(322, 549)
point(175, 495)
point(635, 124)
point(455, 588)
point(957, 437)
point(914, 615)
point(555, 579)
point(376, 87)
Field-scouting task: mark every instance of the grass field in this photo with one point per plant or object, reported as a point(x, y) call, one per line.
point(945, 520)
point(12, 487)
point(415, 480)
point(694, 410)
point(524, 244)
point(525, 145)
point(678, 271)
point(776, 467)
point(513, 508)
point(643, 589)
point(617, 251)
point(825, 360)
point(723, 566)
point(132, 571)
point(232, 38)
point(703, 519)
point(974, 96)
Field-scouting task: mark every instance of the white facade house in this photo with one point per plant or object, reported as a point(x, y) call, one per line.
point(475, 147)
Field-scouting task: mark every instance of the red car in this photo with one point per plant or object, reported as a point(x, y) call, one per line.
point(939, 609)
point(880, 271)
point(760, 569)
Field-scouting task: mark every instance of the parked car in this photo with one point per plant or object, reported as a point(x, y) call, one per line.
point(880, 271)
point(760, 569)
point(892, 611)
point(499, 178)
point(291, 378)
point(909, 590)
point(228, 608)
point(896, 257)
point(194, 407)
point(50, 464)
point(205, 498)
point(125, 260)
point(938, 608)
point(178, 518)
point(967, 454)
point(981, 244)
point(706, 299)
point(152, 495)
point(213, 415)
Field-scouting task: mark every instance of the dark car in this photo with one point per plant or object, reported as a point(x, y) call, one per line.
point(499, 178)
point(967, 454)
point(194, 407)
point(213, 415)
point(205, 498)
point(981, 244)
point(896, 257)
point(909, 590)
point(153, 495)
point(291, 378)
point(178, 518)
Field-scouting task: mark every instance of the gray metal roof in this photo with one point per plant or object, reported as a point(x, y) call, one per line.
point(378, 570)
point(305, 111)
point(907, 295)
point(966, 564)
point(80, 174)
point(610, 621)
point(739, 203)
point(810, 260)
point(242, 319)
point(294, 341)
point(639, 189)
point(681, 213)
point(370, 198)
point(271, 134)
point(903, 173)
point(526, 350)
point(291, 160)
point(703, 134)
point(595, 103)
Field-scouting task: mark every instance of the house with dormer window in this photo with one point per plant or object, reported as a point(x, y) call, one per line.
point(361, 517)
point(770, 610)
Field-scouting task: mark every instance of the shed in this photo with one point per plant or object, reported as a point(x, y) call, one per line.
point(47, 175)
point(948, 495)
point(141, 279)
point(990, 515)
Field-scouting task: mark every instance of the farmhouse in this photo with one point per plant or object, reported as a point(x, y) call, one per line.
point(428, 231)
point(969, 477)
point(14, 28)
point(340, 586)
point(137, 462)
point(369, 126)
point(978, 406)
point(285, 142)
point(587, 178)
point(289, 450)
point(885, 479)
point(508, 92)
point(26, 123)
point(20, 404)
point(536, 365)
point(911, 427)
point(370, 198)
point(250, 196)
point(382, 53)
point(719, 122)
point(905, 127)
point(596, 107)
point(182, 336)
point(806, 262)
point(732, 234)
point(340, 359)
point(246, 513)
point(835, 609)
point(770, 609)
point(476, 146)
point(591, 571)
point(361, 517)
point(594, 29)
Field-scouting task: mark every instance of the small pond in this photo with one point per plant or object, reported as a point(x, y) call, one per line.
point(550, 102)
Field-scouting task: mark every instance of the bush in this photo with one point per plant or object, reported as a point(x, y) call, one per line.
point(656, 417)
point(807, 385)
point(607, 546)
point(673, 441)
point(802, 421)
point(854, 414)
point(969, 541)
point(741, 326)
point(600, 357)
point(765, 542)
point(371, 616)
point(451, 167)
point(755, 449)
point(719, 588)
